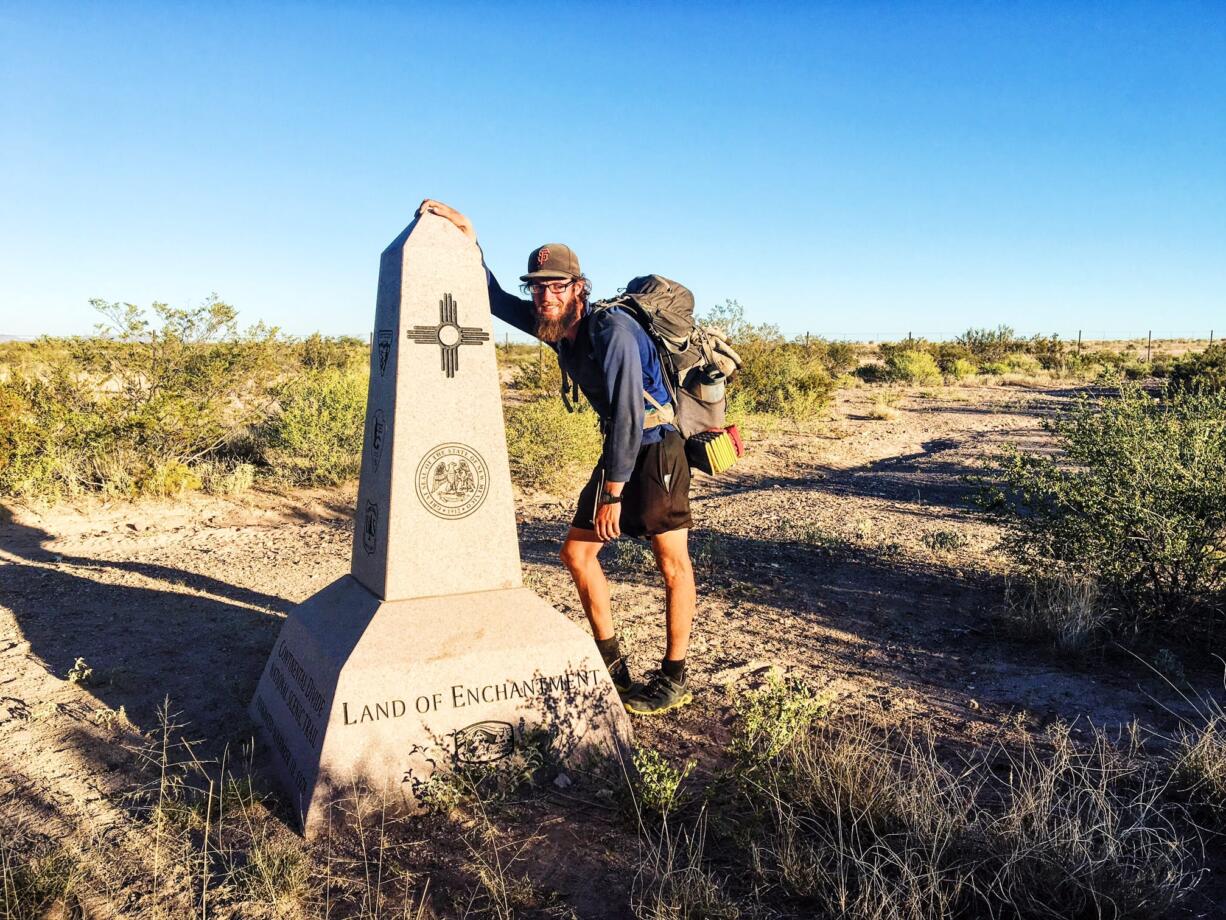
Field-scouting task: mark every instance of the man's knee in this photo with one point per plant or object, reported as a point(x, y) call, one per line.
point(675, 566)
point(576, 554)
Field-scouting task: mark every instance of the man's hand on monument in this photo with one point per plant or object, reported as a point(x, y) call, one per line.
point(437, 207)
point(608, 522)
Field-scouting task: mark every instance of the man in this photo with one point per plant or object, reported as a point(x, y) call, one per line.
point(641, 485)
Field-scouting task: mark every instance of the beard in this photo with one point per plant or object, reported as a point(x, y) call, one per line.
point(551, 330)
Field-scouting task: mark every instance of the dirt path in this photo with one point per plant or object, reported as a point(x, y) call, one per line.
point(851, 556)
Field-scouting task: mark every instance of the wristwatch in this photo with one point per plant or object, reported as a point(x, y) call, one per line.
point(607, 499)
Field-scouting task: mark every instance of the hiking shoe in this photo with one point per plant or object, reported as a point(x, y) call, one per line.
point(622, 681)
point(660, 695)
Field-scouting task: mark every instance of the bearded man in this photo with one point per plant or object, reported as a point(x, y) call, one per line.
point(641, 485)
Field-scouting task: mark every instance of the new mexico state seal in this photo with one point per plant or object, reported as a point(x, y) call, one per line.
point(452, 481)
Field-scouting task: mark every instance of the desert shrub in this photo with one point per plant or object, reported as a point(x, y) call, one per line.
point(342, 352)
point(1205, 370)
point(779, 378)
point(45, 429)
point(131, 410)
point(316, 437)
point(912, 366)
point(1137, 502)
point(873, 372)
point(961, 368)
point(987, 345)
point(994, 368)
point(550, 448)
point(1022, 363)
point(538, 375)
point(836, 358)
point(948, 353)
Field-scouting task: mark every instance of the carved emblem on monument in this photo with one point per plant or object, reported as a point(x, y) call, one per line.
point(378, 432)
point(370, 528)
point(385, 349)
point(449, 335)
point(484, 742)
point(452, 481)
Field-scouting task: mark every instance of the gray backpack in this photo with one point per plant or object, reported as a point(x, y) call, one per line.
point(697, 360)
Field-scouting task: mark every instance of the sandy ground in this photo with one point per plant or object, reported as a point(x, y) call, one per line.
point(819, 554)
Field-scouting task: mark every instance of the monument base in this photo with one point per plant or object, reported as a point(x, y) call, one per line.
point(361, 693)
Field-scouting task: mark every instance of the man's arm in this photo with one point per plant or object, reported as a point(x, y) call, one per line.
point(507, 307)
point(617, 350)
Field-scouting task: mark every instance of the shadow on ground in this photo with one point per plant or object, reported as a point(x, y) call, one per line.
point(203, 647)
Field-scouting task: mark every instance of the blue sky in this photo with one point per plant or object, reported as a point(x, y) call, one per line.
point(857, 169)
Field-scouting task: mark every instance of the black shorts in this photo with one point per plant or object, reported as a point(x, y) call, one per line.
point(656, 498)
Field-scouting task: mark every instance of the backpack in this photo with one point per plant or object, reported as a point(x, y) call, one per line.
point(697, 360)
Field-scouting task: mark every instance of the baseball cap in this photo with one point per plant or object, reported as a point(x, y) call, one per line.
point(552, 261)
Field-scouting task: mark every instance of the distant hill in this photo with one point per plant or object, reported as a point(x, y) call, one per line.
point(14, 338)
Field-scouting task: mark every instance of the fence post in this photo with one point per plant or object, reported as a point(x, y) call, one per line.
point(1078, 341)
point(1149, 347)
point(1210, 338)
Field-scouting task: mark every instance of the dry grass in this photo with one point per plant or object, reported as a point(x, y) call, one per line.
point(883, 406)
point(39, 877)
point(845, 819)
point(1064, 609)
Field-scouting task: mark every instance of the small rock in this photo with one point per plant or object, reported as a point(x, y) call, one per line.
point(562, 781)
point(974, 704)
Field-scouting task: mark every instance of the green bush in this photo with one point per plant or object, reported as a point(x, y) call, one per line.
point(961, 368)
point(779, 378)
point(837, 358)
point(989, 344)
point(948, 354)
point(1137, 503)
point(342, 352)
point(1205, 370)
point(1021, 363)
point(316, 438)
point(131, 410)
point(994, 368)
point(539, 375)
point(911, 366)
point(657, 783)
point(549, 448)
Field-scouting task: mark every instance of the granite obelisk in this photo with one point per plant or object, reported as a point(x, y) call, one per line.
point(430, 652)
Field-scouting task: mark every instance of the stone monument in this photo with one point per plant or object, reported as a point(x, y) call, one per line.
point(430, 653)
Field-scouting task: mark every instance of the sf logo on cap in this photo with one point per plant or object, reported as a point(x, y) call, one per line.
point(542, 257)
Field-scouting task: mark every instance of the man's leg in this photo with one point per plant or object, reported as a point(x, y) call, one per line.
point(672, 551)
point(670, 689)
point(579, 556)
